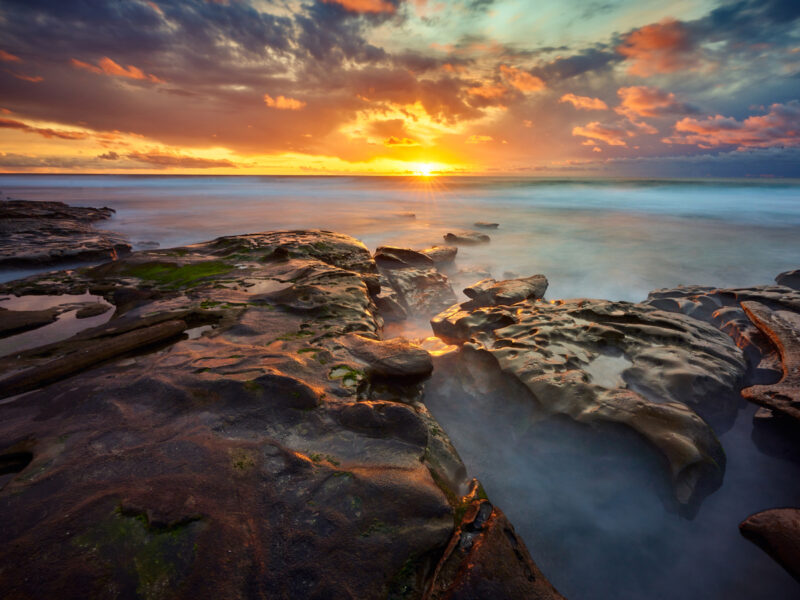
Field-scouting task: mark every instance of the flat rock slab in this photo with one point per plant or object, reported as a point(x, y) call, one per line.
point(489, 292)
point(486, 225)
point(49, 233)
point(597, 361)
point(776, 532)
point(390, 257)
point(230, 433)
point(466, 238)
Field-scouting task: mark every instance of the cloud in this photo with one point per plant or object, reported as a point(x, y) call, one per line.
point(108, 67)
point(8, 57)
point(522, 80)
point(779, 128)
point(163, 160)
point(643, 101)
point(43, 131)
point(283, 103)
point(662, 47)
point(479, 139)
point(613, 135)
point(584, 102)
point(396, 142)
point(364, 6)
point(488, 91)
point(31, 78)
point(110, 155)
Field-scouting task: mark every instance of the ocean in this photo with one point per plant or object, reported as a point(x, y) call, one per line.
point(590, 512)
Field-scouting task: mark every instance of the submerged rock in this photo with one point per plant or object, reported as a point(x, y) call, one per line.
point(277, 443)
point(776, 532)
point(605, 362)
point(486, 225)
point(48, 233)
point(467, 238)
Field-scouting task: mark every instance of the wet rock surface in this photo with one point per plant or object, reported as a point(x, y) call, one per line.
point(615, 363)
point(237, 429)
point(777, 532)
point(466, 238)
point(49, 233)
point(489, 292)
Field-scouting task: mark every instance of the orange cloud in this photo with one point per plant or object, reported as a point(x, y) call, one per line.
point(613, 135)
point(108, 67)
point(395, 142)
point(780, 127)
point(479, 139)
point(283, 103)
point(163, 159)
point(31, 78)
point(488, 91)
point(584, 102)
point(43, 131)
point(364, 6)
point(522, 80)
point(8, 57)
point(643, 101)
point(661, 47)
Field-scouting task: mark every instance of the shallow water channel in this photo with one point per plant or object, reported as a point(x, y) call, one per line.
point(594, 506)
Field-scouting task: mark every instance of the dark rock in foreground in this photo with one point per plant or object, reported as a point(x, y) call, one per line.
point(49, 233)
point(777, 532)
point(601, 362)
point(238, 430)
point(790, 279)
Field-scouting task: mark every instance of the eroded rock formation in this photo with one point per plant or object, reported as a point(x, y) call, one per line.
point(238, 429)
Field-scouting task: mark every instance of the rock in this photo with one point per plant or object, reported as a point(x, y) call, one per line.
point(498, 564)
point(405, 215)
point(489, 292)
point(783, 329)
point(790, 279)
point(254, 460)
point(486, 225)
point(776, 532)
point(597, 361)
point(391, 358)
point(441, 255)
point(422, 292)
point(388, 302)
point(92, 310)
point(466, 238)
point(48, 233)
point(389, 257)
point(17, 321)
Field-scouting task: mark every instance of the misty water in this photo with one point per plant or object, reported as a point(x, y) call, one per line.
point(593, 508)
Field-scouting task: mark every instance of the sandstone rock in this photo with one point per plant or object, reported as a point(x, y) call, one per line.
point(486, 225)
point(265, 457)
point(777, 532)
point(391, 358)
point(422, 292)
point(441, 255)
point(489, 292)
point(790, 279)
point(17, 321)
point(783, 329)
point(92, 310)
point(45, 233)
point(614, 362)
point(390, 257)
point(498, 565)
point(388, 302)
point(466, 238)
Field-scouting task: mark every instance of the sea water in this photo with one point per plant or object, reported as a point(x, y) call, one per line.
point(590, 508)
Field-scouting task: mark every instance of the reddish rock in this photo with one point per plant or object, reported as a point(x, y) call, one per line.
point(776, 532)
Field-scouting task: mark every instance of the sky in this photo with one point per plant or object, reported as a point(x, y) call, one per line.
point(617, 88)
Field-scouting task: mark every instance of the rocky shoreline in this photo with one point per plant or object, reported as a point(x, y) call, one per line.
point(36, 234)
point(241, 428)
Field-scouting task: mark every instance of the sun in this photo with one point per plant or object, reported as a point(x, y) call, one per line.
point(423, 170)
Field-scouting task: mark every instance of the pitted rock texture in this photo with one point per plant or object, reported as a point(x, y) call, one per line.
point(616, 363)
point(722, 307)
point(236, 430)
point(489, 292)
point(783, 329)
point(48, 233)
point(777, 532)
